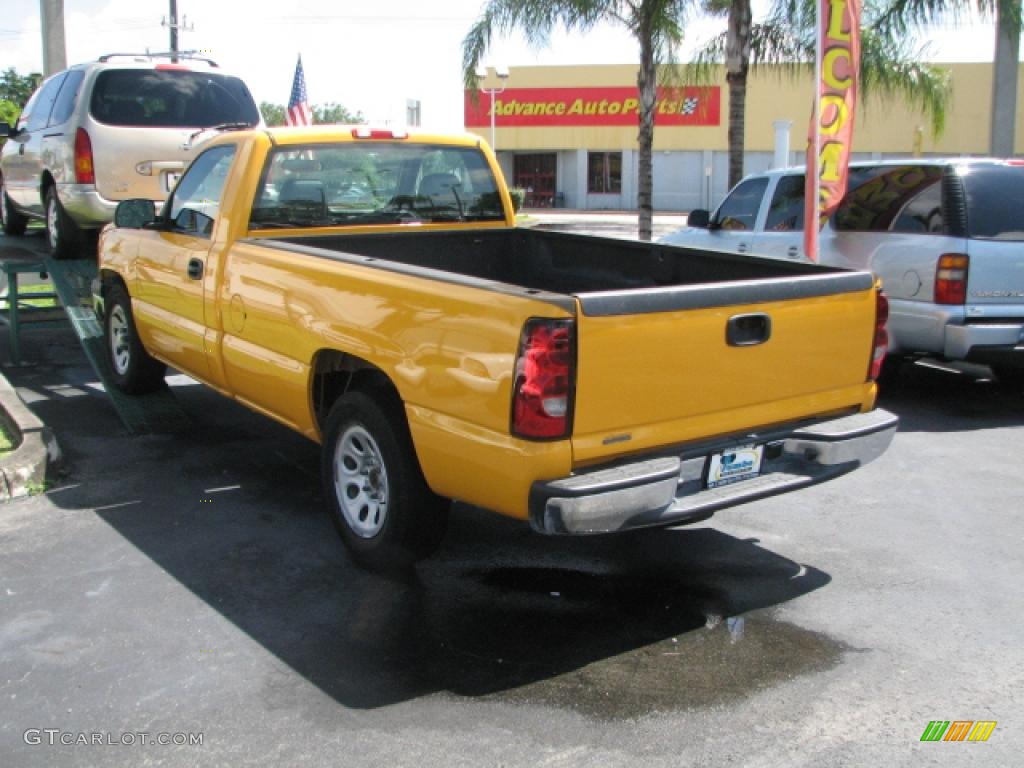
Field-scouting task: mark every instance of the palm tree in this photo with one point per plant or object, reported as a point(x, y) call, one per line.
point(889, 65)
point(905, 14)
point(657, 26)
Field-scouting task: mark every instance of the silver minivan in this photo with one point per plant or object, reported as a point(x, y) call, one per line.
point(109, 130)
point(946, 236)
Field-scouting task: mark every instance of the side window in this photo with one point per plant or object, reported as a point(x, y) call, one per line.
point(29, 108)
point(739, 210)
point(197, 197)
point(903, 198)
point(923, 213)
point(67, 98)
point(42, 103)
point(786, 212)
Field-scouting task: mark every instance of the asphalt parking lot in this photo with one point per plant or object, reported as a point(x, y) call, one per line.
point(189, 585)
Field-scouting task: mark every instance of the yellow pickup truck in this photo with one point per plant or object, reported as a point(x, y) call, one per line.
point(369, 289)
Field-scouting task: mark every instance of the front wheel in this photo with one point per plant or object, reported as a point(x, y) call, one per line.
point(63, 236)
point(386, 515)
point(134, 371)
point(13, 223)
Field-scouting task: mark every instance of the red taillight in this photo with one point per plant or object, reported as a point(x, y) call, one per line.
point(951, 279)
point(545, 370)
point(881, 345)
point(85, 173)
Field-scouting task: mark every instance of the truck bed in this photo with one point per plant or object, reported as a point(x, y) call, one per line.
point(607, 276)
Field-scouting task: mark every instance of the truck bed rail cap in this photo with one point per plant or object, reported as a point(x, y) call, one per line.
point(674, 298)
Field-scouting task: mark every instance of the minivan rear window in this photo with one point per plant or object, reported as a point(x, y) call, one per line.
point(995, 201)
point(170, 98)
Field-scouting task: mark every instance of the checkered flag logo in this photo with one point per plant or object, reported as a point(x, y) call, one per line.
point(690, 105)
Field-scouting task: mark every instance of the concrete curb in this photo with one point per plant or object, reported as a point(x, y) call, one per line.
point(24, 469)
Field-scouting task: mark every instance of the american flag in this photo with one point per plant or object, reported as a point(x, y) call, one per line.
point(299, 112)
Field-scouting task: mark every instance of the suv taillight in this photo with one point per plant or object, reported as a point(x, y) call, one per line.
point(951, 278)
point(545, 372)
point(85, 173)
point(881, 344)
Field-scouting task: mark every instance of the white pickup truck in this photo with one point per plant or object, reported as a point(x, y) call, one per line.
point(946, 237)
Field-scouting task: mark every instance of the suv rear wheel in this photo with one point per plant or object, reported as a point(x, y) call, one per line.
point(1010, 378)
point(13, 222)
point(62, 234)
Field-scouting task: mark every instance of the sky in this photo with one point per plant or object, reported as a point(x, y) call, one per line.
point(371, 56)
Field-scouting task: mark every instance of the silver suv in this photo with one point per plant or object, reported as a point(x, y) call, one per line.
point(945, 235)
point(117, 128)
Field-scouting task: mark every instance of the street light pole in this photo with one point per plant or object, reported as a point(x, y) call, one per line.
point(492, 91)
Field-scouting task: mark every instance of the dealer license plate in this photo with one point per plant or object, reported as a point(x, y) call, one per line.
point(734, 465)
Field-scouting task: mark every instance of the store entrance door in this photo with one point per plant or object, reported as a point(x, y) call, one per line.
point(537, 174)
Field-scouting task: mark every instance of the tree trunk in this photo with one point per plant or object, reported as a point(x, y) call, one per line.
point(1004, 86)
point(737, 64)
point(647, 83)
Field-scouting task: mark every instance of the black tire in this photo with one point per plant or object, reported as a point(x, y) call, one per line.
point(13, 223)
point(379, 501)
point(1009, 378)
point(63, 237)
point(891, 367)
point(134, 371)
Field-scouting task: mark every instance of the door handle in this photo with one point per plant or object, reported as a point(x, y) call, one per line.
point(748, 330)
point(793, 252)
point(195, 269)
point(742, 248)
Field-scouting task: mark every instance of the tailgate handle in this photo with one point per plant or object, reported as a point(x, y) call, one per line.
point(748, 330)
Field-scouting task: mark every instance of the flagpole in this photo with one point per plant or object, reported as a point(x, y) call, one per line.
point(818, 44)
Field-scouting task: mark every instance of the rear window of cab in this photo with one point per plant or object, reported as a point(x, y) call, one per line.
point(170, 98)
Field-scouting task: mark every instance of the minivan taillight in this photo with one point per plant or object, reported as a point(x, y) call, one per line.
point(881, 344)
point(545, 373)
point(951, 278)
point(85, 173)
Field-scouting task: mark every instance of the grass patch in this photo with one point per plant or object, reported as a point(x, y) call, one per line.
point(38, 303)
point(7, 443)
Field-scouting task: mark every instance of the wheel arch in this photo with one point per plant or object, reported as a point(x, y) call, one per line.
point(45, 182)
point(335, 373)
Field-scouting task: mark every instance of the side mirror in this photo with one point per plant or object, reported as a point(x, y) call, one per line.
point(5, 131)
point(134, 214)
point(698, 218)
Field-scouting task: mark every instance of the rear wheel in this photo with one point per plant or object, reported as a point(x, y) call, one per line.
point(135, 372)
point(1011, 378)
point(379, 501)
point(13, 222)
point(891, 367)
point(62, 234)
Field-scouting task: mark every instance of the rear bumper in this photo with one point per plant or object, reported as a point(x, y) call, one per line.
point(670, 490)
point(964, 342)
point(85, 205)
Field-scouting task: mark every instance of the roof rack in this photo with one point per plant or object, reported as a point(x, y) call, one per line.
point(190, 55)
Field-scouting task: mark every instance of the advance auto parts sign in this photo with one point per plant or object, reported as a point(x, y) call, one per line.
point(528, 107)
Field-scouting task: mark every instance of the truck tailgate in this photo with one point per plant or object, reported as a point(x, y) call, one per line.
point(662, 367)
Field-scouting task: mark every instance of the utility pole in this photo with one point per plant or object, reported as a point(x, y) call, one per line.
point(55, 57)
point(174, 26)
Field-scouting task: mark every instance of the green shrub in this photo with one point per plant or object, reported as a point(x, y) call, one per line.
point(518, 195)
